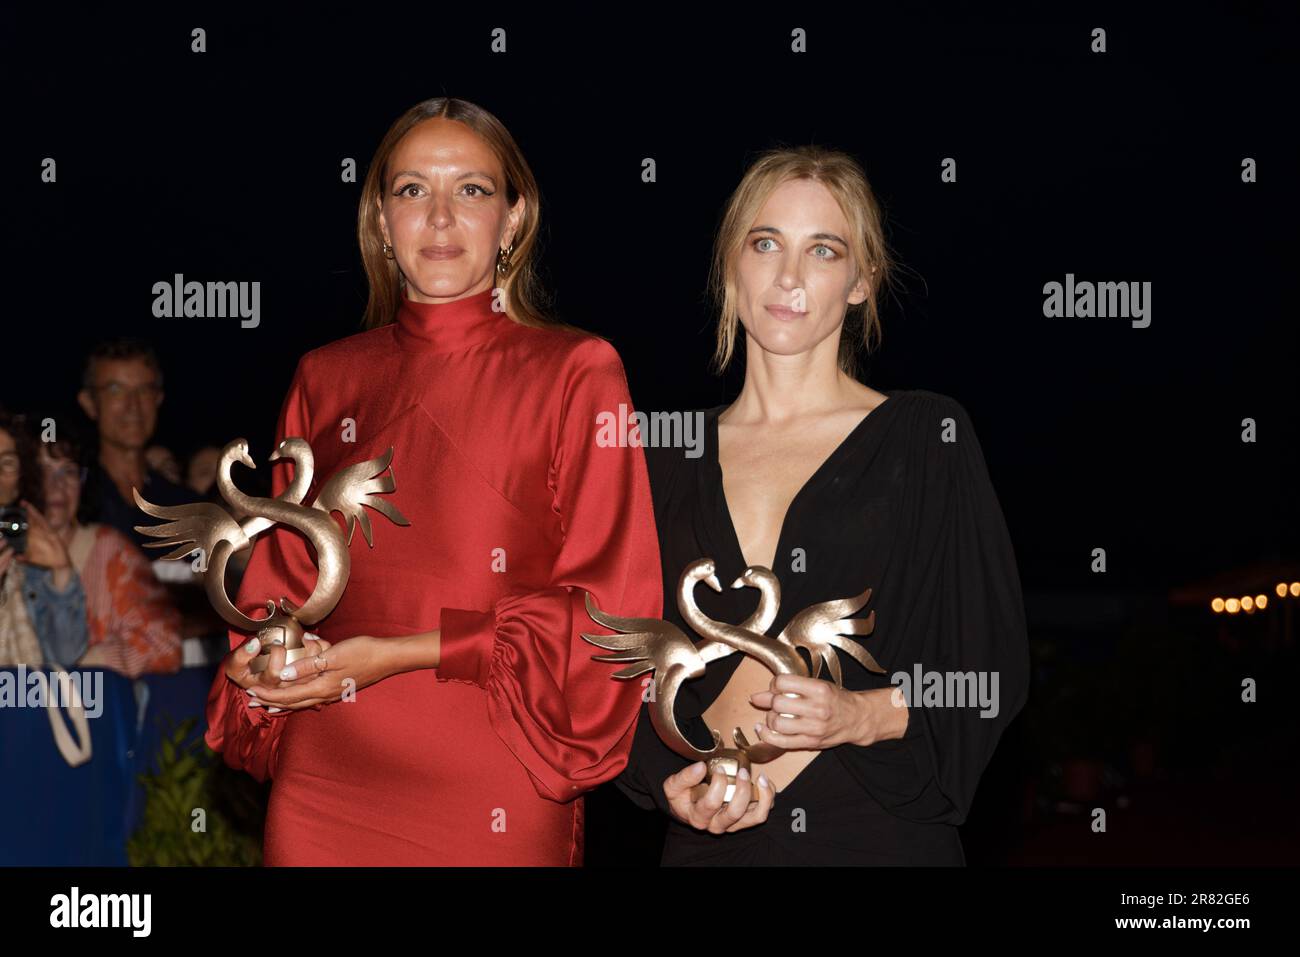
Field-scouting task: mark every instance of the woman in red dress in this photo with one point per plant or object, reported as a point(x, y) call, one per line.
point(480, 718)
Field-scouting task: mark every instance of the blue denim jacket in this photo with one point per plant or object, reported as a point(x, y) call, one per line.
point(58, 617)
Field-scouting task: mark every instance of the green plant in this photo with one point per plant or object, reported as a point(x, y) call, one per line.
point(198, 813)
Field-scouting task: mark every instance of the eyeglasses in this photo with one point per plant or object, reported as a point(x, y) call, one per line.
point(9, 462)
point(66, 474)
point(116, 391)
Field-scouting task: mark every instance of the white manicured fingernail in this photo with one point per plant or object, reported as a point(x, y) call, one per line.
point(758, 728)
point(762, 781)
point(273, 710)
point(251, 646)
point(251, 691)
point(255, 704)
point(289, 673)
point(742, 774)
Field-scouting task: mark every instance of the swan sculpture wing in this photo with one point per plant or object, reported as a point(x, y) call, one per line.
point(208, 527)
point(818, 629)
point(198, 525)
point(351, 488)
point(652, 644)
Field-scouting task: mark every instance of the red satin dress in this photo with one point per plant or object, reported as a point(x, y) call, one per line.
point(515, 509)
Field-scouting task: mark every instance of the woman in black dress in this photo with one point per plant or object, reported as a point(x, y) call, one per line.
point(837, 489)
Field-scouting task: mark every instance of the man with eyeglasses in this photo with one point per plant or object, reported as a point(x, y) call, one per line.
point(122, 390)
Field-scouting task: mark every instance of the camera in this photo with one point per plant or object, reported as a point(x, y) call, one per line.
point(13, 526)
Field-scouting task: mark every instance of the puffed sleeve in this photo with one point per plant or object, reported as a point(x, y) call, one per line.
point(650, 763)
point(281, 564)
point(563, 715)
point(963, 614)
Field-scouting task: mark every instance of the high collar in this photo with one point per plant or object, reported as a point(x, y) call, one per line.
point(450, 326)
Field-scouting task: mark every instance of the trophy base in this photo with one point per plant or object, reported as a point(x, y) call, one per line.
point(263, 660)
point(728, 793)
point(280, 629)
point(730, 764)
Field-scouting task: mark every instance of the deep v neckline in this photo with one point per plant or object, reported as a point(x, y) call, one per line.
point(846, 444)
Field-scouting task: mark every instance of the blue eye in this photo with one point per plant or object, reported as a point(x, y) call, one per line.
point(759, 242)
point(833, 253)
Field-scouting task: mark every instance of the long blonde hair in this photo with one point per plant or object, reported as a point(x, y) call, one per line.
point(847, 183)
point(524, 300)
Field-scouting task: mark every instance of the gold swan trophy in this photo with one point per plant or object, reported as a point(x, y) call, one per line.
point(212, 529)
point(651, 644)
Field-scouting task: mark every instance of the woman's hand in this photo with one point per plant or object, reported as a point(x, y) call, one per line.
point(709, 813)
point(322, 678)
point(44, 547)
point(826, 715)
point(237, 662)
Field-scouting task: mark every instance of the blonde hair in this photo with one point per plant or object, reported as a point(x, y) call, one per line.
point(844, 178)
point(523, 297)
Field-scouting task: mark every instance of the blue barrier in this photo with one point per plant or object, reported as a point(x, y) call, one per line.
point(55, 815)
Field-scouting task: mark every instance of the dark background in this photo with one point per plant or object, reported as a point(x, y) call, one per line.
point(1122, 166)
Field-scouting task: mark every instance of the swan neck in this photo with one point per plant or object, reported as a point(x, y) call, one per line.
point(769, 599)
point(304, 467)
point(770, 653)
point(226, 484)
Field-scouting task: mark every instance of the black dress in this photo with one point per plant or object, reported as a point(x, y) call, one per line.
point(904, 506)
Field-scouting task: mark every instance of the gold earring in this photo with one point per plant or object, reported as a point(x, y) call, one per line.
point(503, 259)
point(388, 252)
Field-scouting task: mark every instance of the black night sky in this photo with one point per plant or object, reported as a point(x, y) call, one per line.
point(1117, 167)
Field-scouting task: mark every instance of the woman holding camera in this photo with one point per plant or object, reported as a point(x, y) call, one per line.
point(42, 602)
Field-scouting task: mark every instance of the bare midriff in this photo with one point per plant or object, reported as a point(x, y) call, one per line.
point(732, 709)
